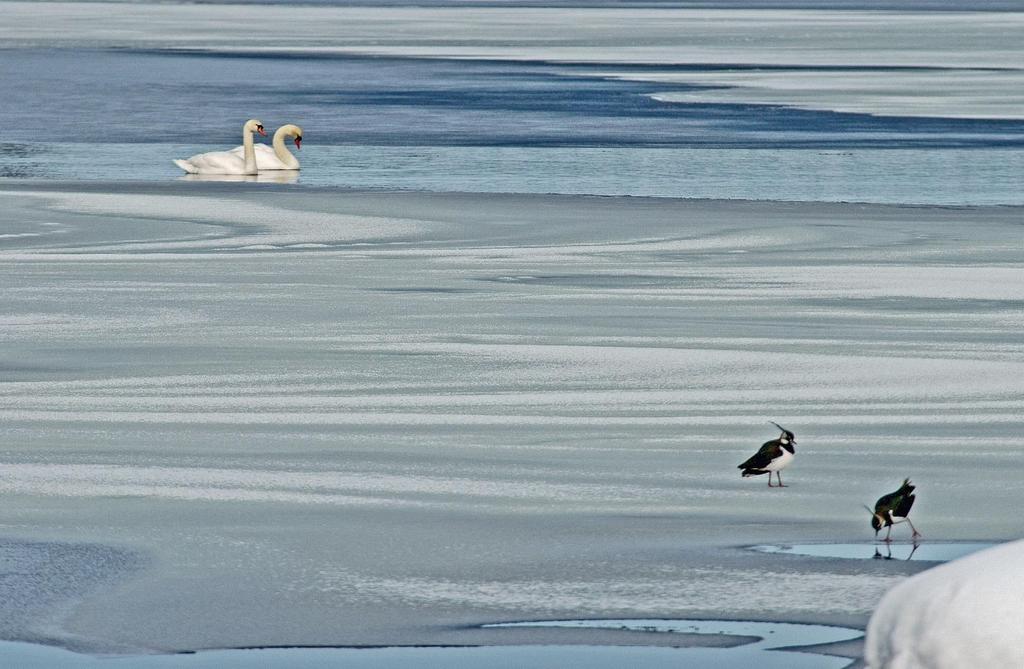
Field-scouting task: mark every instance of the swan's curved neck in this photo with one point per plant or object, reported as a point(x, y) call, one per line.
point(282, 152)
point(249, 152)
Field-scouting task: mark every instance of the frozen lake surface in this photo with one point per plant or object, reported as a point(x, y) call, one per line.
point(496, 352)
point(332, 416)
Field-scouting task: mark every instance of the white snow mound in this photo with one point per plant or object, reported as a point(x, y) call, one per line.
point(966, 613)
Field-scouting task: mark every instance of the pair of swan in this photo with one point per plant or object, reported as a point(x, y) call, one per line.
point(249, 158)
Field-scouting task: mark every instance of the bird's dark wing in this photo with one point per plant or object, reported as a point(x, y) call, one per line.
point(898, 503)
point(903, 506)
point(886, 503)
point(764, 456)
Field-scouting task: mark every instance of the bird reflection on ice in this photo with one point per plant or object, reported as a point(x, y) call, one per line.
point(918, 551)
point(274, 177)
point(888, 552)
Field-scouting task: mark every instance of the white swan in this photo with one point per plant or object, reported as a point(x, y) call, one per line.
point(226, 162)
point(278, 158)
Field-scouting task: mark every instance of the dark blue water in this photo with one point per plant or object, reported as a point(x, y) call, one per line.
point(507, 126)
point(124, 96)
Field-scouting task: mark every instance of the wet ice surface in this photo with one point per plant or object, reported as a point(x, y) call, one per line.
point(40, 581)
point(923, 551)
point(750, 641)
point(491, 657)
point(340, 417)
point(777, 638)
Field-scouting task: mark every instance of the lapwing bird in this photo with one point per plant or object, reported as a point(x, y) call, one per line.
point(774, 456)
point(893, 509)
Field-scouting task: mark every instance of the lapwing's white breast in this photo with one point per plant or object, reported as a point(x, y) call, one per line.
point(780, 462)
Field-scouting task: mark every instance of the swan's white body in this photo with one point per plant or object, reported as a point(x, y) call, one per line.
point(278, 157)
point(227, 162)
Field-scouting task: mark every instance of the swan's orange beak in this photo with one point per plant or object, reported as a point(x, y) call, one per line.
point(298, 142)
point(260, 130)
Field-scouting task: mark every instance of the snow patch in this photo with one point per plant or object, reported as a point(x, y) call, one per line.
point(966, 613)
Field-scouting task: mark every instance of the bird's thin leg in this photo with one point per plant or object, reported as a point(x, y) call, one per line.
point(888, 532)
point(916, 533)
point(770, 480)
point(778, 475)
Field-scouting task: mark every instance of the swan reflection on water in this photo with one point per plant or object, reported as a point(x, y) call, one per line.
point(273, 177)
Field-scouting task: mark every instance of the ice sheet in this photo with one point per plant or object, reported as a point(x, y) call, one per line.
point(440, 410)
